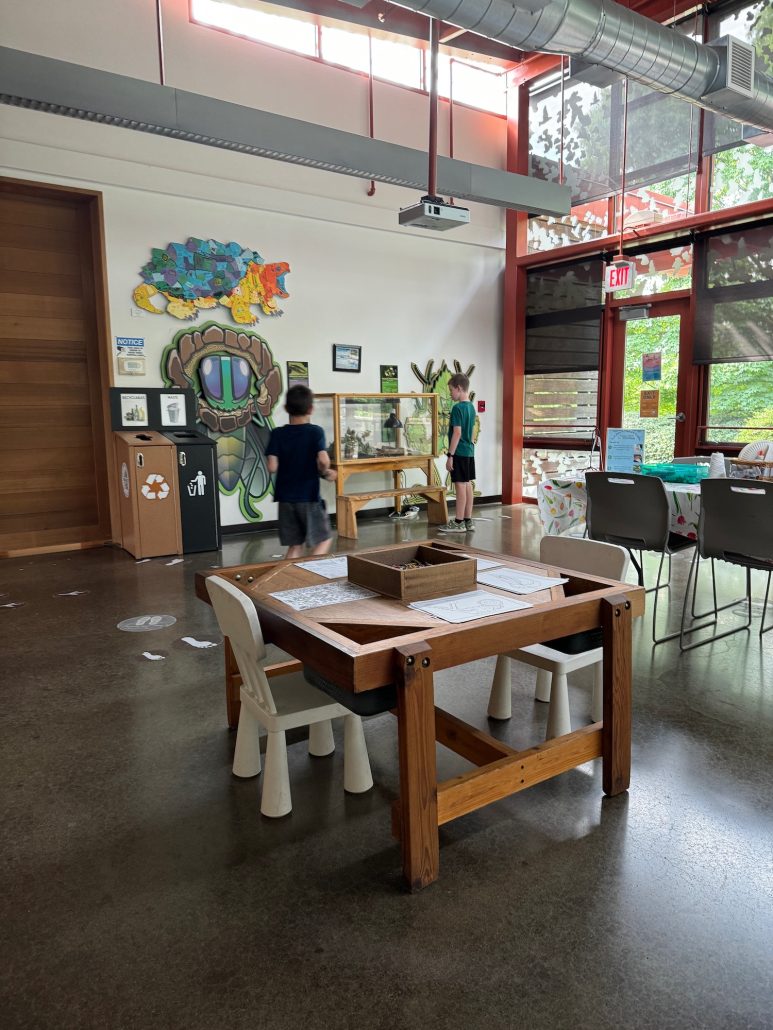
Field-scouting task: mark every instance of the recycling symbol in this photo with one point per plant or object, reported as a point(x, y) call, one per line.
point(155, 487)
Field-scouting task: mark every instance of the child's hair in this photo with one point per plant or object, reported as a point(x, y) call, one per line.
point(460, 381)
point(299, 400)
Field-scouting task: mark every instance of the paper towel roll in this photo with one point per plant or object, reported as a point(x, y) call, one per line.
point(717, 466)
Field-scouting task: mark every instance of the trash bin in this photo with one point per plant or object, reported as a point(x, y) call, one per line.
point(149, 499)
point(197, 486)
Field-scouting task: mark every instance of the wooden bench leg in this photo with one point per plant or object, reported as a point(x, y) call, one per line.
point(437, 509)
point(616, 732)
point(346, 517)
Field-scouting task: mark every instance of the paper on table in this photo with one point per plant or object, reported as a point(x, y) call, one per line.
point(484, 563)
point(474, 604)
point(518, 582)
point(330, 568)
point(326, 593)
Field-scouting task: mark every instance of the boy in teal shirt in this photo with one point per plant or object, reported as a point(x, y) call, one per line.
point(461, 454)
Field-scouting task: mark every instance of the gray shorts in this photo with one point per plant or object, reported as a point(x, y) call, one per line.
point(303, 522)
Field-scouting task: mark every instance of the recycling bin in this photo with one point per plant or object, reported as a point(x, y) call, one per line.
point(148, 494)
point(198, 490)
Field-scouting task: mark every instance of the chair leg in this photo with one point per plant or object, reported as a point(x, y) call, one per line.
point(726, 633)
point(357, 775)
point(764, 629)
point(597, 701)
point(500, 699)
point(544, 684)
point(276, 799)
point(321, 740)
point(247, 750)
point(559, 722)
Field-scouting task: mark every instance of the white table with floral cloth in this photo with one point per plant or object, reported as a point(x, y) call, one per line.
point(562, 504)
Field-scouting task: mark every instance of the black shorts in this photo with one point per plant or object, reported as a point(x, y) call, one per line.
point(463, 470)
point(303, 522)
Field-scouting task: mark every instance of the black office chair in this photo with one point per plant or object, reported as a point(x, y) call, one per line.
point(736, 526)
point(632, 510)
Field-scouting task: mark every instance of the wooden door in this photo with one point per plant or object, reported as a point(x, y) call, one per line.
point(53, 473)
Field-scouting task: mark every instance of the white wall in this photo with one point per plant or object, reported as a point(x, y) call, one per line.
point(356, 278)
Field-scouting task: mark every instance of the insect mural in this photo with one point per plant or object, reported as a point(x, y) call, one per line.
point(238, 384)
point(436, 381)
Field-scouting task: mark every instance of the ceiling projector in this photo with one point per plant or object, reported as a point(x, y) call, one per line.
point(434, 213)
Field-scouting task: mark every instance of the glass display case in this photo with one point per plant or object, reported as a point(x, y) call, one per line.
point(399, 428)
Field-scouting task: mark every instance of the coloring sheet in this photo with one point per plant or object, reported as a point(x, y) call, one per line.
point(517, 582)
point(302, 598)
point(475, 604)
point(329, 568)
point(484, 563)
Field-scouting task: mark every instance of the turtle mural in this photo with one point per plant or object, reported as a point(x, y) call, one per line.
point(238, 385)
point(204, 273)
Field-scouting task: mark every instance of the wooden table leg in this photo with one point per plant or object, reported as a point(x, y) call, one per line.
point(233, 681)
point(616, 731)
point(418, 774)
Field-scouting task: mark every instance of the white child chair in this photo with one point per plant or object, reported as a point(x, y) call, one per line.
point(283, 704)
point(553, 665)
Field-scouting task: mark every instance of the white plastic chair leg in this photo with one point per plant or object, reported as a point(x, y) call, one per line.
point(544, 681)
point(500, 700)
point(597, 701)
point(559, 722)
point(321, 741)
point(357, 775)
point(276, 799)
point(247, 750)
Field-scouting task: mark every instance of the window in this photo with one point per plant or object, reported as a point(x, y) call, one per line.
point(351, 49)
point(740, 406)
point(586, 221)
point(660, 271)
point(288, 33)
point(397, 62)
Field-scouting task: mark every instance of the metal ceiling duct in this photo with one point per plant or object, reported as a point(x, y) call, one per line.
point(58, 87)
point(604, 33)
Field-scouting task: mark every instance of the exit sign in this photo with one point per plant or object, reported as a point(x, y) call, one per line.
point(619, 276)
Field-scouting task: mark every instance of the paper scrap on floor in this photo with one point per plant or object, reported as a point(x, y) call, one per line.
point(302, 598)
point(329, 568)
point(517, 582)
point(474, 604)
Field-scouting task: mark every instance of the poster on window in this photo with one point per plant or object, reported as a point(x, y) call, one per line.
point(651, 366)
point(624, 450)
point(649, 403)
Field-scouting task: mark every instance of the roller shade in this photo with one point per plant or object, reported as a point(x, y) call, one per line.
point(563, 321)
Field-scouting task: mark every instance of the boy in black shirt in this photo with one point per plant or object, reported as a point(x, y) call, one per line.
point(297, 454)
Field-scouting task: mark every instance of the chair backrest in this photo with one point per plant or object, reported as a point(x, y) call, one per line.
point(590, 556)
point(736, 520)
point(628, 509)
point(760, 450)
point(238, 621)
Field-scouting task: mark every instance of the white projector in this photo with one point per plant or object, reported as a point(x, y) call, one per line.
point(431, 213)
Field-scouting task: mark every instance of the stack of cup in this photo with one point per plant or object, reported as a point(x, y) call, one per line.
point(717, 466)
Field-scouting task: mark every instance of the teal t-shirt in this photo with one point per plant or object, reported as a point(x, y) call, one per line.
point(463, 414)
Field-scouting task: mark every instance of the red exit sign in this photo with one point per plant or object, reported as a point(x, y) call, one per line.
point(619, 276)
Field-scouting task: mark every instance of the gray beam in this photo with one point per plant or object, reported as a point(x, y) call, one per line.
point(42, 83)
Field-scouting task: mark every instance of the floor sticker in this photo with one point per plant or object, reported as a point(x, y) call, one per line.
point(71, 593)
point(146, 623)
point(13, 604)
point(174, 561)
point(153, 657)
point(198, 643)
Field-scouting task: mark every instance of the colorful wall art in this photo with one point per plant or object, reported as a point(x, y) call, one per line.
point(436, 381)
point(238, 384)
point(200, 274)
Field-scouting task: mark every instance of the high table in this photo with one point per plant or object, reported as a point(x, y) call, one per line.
point(371, 643)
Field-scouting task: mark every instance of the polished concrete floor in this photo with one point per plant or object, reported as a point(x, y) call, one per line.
point(141, 888)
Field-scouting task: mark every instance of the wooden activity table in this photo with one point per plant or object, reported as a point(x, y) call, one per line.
point(365, 644)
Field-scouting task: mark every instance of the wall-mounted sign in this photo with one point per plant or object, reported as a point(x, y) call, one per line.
point(649, 403)
point(619, 275)
point(297, 373)
point(388, 378)
point(624, 450)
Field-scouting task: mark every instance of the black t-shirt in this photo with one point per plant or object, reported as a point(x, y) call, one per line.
point(296, 448)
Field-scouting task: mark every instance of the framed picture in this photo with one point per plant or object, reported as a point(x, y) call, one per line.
point(346, 359)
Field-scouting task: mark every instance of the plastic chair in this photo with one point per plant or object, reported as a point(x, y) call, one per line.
point(736, 526)
point(632, 511)
point(281, 704)
point(557, 658)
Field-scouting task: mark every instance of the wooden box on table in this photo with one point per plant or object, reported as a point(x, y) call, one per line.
point(447, 573)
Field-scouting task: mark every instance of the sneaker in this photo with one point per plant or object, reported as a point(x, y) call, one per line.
point(469, 525)
point(452, 526)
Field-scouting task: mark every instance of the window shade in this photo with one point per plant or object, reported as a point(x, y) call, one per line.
point(734, 296)
point(563, 317)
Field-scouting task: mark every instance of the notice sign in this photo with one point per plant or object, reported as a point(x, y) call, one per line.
point(649, 403)
point(624, 450)
point(651, 366)
point(619, 275)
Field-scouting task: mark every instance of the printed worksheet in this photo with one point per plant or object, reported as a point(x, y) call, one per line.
point(329, 568)
point(474, 604)
point(517, 582)
point(302, 598)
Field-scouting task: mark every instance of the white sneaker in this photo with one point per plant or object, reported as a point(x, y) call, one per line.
point(452, 526)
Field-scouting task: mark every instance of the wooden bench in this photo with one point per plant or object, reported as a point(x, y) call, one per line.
point(347, 505)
